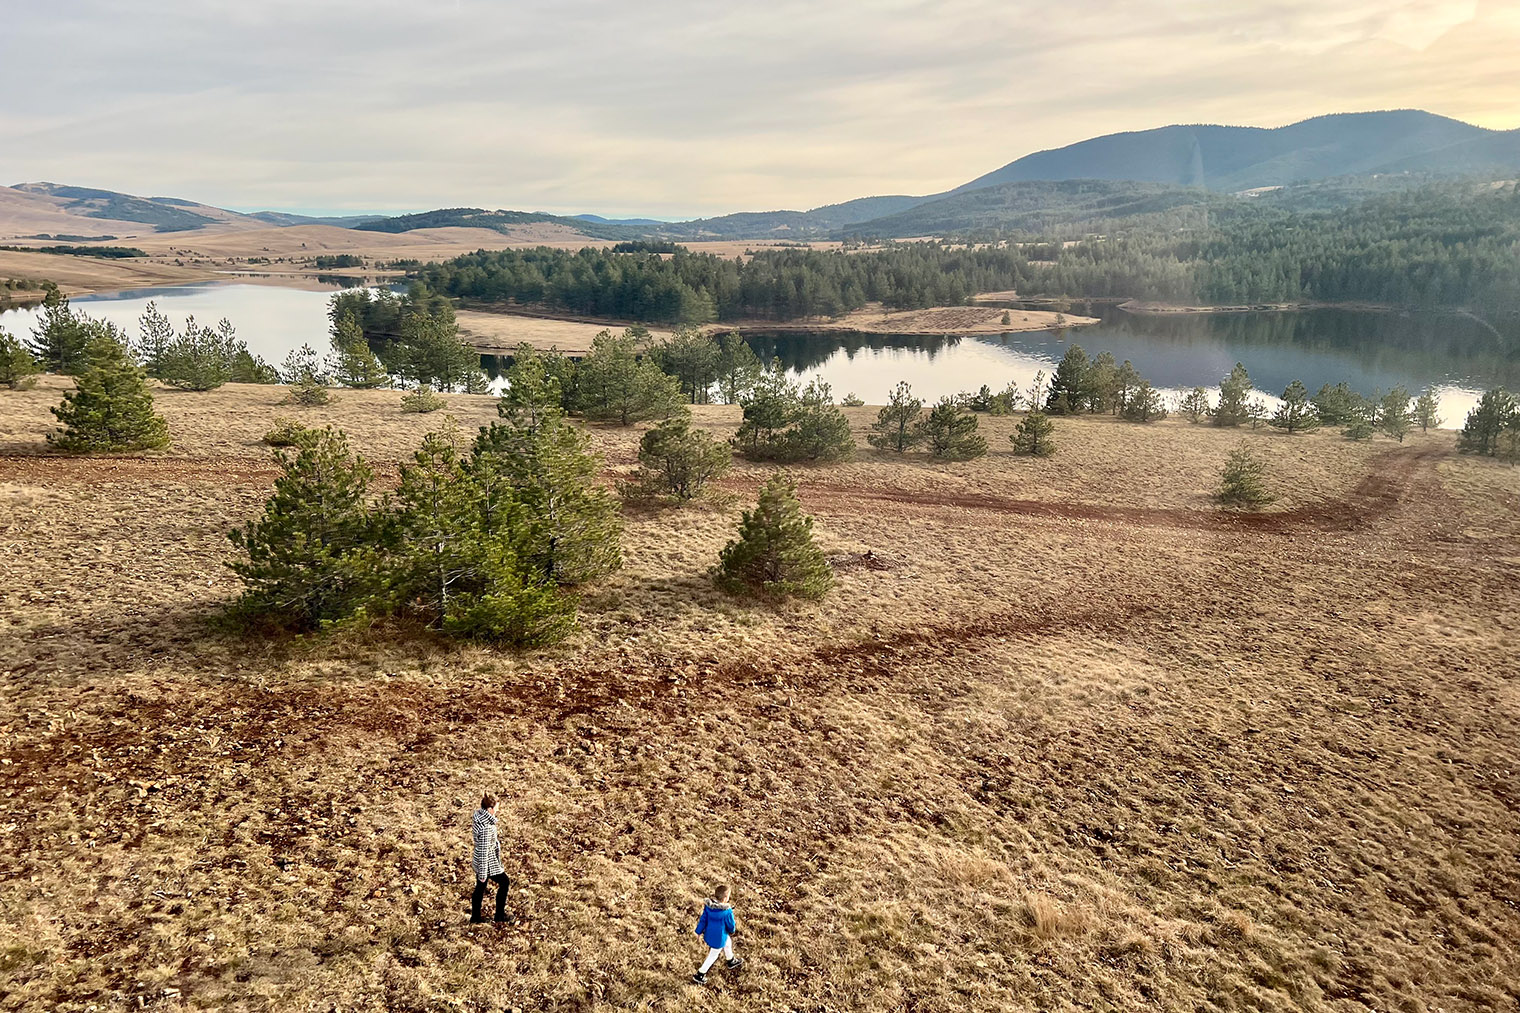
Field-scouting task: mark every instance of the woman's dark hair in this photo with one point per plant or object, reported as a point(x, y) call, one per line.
point(487, 800)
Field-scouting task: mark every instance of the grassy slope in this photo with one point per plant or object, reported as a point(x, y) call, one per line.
point(1072, 740)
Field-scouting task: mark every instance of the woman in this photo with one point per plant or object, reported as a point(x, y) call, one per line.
point(487, 860)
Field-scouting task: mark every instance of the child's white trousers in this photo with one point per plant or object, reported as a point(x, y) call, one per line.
point(712, 955)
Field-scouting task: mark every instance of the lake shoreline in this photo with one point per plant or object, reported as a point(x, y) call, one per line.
point(1142, 308)
point(933, 322)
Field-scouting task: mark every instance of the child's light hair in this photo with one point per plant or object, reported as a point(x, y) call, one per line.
point(721, 893)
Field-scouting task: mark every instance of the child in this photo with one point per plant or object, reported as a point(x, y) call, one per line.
point(716, 926)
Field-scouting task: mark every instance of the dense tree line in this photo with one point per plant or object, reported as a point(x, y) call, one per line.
point(686, 287)
point(1443, 246)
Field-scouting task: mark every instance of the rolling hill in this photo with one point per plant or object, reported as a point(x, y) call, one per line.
point(1326, 161)
point(1241, 158)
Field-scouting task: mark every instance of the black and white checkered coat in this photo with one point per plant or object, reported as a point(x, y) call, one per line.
point(487, 846)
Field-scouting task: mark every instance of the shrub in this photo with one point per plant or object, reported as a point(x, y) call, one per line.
point(1359, 429)
point(676, 460)
point(852, 400)
point(774, 554)
point(1035, 436)
point(111, 408)
point(288, 433)
point(513, 614)
point(1243, 481)
point(422, 400)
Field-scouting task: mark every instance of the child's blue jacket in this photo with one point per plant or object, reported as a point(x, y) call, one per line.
point(716, 923)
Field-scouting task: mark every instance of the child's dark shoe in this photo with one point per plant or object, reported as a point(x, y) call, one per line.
point(735, 964)
point(699, 978)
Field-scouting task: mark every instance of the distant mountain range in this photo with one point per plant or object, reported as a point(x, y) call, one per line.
point(1101, 179)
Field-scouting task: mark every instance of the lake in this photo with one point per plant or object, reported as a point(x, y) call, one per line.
point(1456, 356)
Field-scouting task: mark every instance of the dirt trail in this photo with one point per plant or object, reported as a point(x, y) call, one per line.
point(1392, 475)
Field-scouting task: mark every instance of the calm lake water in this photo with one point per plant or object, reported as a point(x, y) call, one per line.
point(1456, 356)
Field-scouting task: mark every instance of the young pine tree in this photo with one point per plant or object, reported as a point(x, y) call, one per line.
point(1071, 386)
point(1394, 414)
point(1194, 405)
point(308, 376)
point(693, 358)
point(199, 358)
point(615, 385)
point(572, 526)
point(676, 460)
point(422, 400)
point(951, 434)
point(110, 409)
point(1243, 481)
point(1426, 412)
point(1144, 403)
point(738, 367)
point(357, 364)
point(1234, 407)
point(154, 336)
point(768, 407)
point(896, 427)
point(774, 554)
point(61, 340)
point(818, 431)
point(1035, 436)
point(18, 370)
point(310, 557)
point(1296, 415)
point(1495, 412)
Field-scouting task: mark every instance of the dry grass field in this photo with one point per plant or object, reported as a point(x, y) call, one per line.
point(1065, 736)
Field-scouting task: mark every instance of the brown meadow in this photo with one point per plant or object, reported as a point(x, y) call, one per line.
point(1064, 736)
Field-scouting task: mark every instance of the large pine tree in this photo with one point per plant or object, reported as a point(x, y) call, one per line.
point(111, 408)
point(774, 554)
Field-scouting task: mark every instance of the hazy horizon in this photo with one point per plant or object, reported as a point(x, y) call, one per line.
point(673, 110)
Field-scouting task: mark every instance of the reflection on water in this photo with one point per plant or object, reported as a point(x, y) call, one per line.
point(1455, 355)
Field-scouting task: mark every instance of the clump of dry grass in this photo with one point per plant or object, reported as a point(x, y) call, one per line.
point(1081, 744)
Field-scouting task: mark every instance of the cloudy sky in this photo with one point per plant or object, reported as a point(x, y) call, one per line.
point(683, 107)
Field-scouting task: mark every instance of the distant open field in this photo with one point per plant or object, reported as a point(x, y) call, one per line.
point(1069, 737)
point(285, 255)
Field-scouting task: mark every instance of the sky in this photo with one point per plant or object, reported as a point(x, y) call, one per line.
point(683, 108)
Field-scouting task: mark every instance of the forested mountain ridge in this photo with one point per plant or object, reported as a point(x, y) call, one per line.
point(1241, 158)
